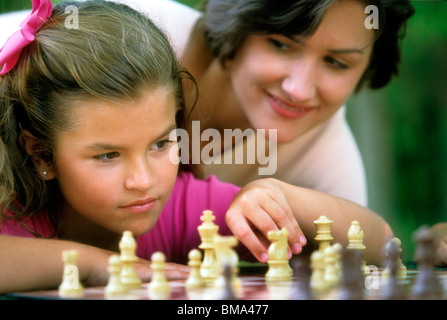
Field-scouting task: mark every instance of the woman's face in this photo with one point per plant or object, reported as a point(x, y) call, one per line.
point(294, 84)
point(113, 167)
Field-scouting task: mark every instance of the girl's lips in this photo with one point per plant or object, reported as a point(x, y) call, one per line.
point(288, 110)
point(140, 206)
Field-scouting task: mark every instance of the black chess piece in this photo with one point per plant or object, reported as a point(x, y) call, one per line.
point(301, 286)
point(393, 289)
point(426, 285)
point(352, 281)
point(228, 292)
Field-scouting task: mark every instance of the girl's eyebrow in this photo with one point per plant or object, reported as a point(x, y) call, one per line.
point(111, 147)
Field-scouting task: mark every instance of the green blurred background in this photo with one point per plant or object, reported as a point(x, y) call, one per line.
point(402, 129)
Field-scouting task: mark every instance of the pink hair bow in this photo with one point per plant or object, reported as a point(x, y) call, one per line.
point(10, 53)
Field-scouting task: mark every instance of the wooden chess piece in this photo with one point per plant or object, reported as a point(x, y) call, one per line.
point(426, 285)
point(129, 276)
point(194, 280)
point(228, 291)
point(352, 280)
point(114, 286)
point(208, 230)
point(159, 287)
point(71, 286)
point(226, 256)
point(393, 289)
point(324, 237)
point(401, 270)
point(355, 236)
point(301, 288)
point(317, 281)
point(279, 268)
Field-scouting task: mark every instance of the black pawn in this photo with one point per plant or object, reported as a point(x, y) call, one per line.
point(302, 271)
point(353, 281)
point(228, 292)
point(393, 289)
point(426, 285)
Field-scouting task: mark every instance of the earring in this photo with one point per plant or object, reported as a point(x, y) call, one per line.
point(44, 173)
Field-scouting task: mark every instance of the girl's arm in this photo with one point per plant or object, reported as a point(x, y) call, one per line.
point(270, 204)
point(36, 264)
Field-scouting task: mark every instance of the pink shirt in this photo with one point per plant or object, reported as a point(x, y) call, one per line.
point(175, 232)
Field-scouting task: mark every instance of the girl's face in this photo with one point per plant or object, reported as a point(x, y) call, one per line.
point(294, 84)
point(113, 168)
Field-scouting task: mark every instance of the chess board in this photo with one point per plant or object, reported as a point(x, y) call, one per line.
point(254, 287)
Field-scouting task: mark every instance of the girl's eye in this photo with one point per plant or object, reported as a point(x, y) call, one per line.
point(161, 145)
point(279, 44)
point(334, 63)
point(107, 156)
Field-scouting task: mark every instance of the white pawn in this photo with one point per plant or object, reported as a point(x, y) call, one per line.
point(317, 282)
point(338, 249)
point(129, 276)
point(71, 287)
point(331, 275)
point(159, 287)
point(114, 286)
point(194, 280)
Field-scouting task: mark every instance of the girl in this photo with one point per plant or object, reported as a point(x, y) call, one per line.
point(87, 116)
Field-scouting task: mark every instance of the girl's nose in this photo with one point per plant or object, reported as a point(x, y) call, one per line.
point(139, 176)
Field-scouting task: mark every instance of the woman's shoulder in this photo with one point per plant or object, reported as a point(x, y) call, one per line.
point(175, 19)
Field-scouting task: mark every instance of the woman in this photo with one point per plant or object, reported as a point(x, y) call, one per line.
point(291, 67)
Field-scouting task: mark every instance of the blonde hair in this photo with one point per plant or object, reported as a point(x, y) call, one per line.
point(113, 54)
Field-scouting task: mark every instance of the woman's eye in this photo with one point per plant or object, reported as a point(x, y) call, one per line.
point(336, 63)
point(279, 44)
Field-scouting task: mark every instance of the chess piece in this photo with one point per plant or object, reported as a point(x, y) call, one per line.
point(194, 280)
point(317, 281)
point(228, 292)
point(392, 289)
point(401, 270)
point(324, 237)
point(331, 273)
point(279, 269)
point(114, 286)
point(352, 280)
point(159, 287)
point(129, 276)
point(355, 236)
point(338, 249)
point(207, 231)
point(71, 286)
point(426, 285)
point(302, 271)
point(226, 257)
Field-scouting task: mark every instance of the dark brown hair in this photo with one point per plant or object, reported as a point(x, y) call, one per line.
point(228, 22)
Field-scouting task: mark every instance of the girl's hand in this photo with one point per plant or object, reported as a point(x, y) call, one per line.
point(258, 208)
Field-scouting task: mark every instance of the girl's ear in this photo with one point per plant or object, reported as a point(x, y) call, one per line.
point(38, 154)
